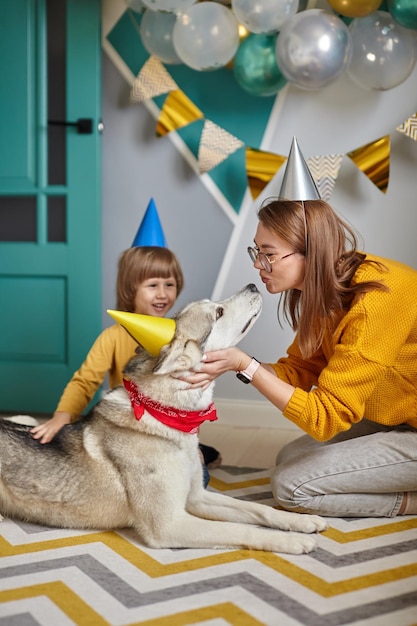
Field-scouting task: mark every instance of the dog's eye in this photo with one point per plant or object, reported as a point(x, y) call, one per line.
point(219, 312)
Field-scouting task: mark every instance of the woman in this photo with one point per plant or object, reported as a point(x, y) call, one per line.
point(349, 379)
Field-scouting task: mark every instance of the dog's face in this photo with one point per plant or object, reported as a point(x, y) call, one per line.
point(206, 325)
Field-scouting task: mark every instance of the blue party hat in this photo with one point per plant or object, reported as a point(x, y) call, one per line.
point(150, 231)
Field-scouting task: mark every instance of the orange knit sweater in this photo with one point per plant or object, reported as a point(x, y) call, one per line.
point(367, 367)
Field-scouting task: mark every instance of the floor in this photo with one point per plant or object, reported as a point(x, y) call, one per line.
point(246, 447)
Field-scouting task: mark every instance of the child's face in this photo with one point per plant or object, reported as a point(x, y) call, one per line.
point(156, 296)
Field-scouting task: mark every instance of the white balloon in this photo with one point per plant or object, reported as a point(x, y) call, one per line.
point(313, 48)
point(384, 53)
point(264, 16)
point(172, 6)
point(206, 36)
point(156, 33)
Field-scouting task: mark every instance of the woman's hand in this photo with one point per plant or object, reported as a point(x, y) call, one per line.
point(216, 363)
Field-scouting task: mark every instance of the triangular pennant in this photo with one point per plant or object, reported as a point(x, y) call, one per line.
point(409, 127)
point(261, 167)
point(177, 111)
point(153, 80)
point(216, 144)
point(373, 159)
point(325, 170)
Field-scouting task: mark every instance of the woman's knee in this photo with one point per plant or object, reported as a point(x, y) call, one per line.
point(286, 491)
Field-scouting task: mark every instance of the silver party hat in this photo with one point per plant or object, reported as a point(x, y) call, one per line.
point(298, 183)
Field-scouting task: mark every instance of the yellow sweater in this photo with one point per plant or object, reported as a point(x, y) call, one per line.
point(367, 367)
point(108, 355)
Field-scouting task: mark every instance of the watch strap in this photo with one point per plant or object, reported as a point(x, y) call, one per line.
point(247, 374)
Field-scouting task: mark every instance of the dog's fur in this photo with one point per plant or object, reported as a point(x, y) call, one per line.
point(110, 471)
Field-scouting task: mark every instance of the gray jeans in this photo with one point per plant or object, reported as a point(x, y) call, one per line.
point(359, 473)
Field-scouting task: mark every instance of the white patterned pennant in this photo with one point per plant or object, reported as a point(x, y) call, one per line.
point(153, 80)
point(325, 170)
point(216, 144)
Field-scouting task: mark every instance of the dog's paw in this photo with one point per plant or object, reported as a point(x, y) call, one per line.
point(302, 522)
point(298, 544)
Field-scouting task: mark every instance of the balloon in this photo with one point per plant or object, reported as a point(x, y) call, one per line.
point(172, 6)
point(206, 36)
point(255, 66)
point(264, 16)
point(313, 48)
point(404, 12)
point(156, 33)
point(355, 8)
point(384, 53)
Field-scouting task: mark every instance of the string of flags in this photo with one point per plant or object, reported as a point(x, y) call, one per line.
point(216, 144)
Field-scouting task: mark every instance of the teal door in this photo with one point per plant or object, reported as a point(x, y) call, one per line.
point(50, 211)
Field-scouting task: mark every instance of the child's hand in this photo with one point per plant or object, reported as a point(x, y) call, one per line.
point(46, 432)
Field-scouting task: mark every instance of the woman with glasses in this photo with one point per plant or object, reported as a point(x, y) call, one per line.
point(349, 379)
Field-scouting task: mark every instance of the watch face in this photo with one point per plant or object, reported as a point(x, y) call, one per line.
point(241, 376)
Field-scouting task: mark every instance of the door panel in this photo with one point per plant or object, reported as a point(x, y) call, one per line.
point(50, 210)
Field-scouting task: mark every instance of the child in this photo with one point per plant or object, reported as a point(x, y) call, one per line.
point(149, 280)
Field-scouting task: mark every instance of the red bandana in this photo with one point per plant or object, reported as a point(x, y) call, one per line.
point(187, 421)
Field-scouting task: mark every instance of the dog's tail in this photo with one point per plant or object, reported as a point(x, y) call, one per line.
point(25, 420)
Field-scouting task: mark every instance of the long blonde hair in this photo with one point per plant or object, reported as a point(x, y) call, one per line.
point(330, 247)
point(137, 264)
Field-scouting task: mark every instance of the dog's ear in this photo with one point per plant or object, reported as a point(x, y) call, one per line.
point(180, 355)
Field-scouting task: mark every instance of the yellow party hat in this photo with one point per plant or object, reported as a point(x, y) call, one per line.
point(152, 333)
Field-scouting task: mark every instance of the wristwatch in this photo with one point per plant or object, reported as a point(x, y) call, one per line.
point(246, 375)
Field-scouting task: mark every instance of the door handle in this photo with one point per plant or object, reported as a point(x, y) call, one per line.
point(84, 125)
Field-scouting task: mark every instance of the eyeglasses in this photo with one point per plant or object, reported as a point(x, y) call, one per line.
point(266, 260)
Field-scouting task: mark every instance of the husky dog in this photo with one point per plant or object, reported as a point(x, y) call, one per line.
point(134, 461)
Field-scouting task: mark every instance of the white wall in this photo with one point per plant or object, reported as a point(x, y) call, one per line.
point(335, 119)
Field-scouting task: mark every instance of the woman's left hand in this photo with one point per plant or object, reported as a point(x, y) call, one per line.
point(216, 363)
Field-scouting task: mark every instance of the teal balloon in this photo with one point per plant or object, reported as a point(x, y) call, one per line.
point(255, 66)
point(404, 12)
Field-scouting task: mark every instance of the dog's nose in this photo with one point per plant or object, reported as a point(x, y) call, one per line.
point(251, 287)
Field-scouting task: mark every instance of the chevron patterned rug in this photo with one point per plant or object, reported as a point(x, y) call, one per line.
point(364, 572)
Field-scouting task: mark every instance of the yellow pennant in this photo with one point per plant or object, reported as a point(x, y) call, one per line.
point(409, 127)
point(373, 160)
point(261, 167)
point(325, 170)
point(177, 111)
point(153, 80)
point(216, 144)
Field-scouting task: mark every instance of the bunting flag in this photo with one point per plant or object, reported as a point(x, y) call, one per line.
point(409, 127)
point(373, 159)
point(325, 170)
point(261, 168)
point(177, 111)
point(216, 144)
point(153, 80)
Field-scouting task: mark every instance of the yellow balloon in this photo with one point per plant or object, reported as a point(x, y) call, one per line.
point(355, 8)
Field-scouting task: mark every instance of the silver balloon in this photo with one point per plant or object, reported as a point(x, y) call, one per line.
point(313, 48)
point(384, 53)
point(156, 33)
point(264, 16)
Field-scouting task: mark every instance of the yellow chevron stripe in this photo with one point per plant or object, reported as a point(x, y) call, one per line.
point(220, 485)
point(63, 597)
point(372, 531)
point(231, 613)
point(154, 569)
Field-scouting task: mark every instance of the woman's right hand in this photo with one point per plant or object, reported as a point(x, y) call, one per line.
point(46, 432)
